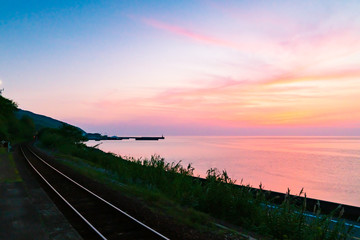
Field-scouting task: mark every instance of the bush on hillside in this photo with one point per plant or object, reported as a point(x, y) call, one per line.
point(57, 138)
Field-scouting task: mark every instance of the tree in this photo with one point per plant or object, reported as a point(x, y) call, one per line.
point(72, 133)
point(7, 107)
point(12, 128)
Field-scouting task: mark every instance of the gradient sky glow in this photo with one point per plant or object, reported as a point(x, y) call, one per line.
point(186, 68)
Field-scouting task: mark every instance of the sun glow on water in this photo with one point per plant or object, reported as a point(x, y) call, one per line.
point(276, 162)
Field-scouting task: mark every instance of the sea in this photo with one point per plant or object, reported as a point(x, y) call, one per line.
point(327, 168)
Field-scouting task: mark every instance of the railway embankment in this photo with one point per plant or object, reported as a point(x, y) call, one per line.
point(130, 202)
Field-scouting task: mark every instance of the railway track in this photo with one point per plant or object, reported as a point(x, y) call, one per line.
point(96, 217)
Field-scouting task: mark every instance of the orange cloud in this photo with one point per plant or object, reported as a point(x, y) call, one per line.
point(241, 104)
point(328, 75)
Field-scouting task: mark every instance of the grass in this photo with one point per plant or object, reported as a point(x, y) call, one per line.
point(173, 189)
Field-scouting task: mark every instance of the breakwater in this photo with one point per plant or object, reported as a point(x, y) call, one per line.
point(99, 137)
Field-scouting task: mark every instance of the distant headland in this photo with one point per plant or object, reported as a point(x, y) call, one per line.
point(42, 121)
point(99, 137)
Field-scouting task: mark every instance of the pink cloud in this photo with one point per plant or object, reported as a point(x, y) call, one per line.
point(259, 101)
point(184, 32)
point(297, 52)
point(244, 44)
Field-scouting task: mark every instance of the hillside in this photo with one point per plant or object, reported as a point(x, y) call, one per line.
point(40, 121)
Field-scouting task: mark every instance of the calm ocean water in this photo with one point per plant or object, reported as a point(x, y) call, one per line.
point(328, 168)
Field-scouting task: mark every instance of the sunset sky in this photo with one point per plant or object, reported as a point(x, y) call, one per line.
point(186, 67)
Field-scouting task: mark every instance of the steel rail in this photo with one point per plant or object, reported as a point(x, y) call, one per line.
point(97, 196)
point(72, 207)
